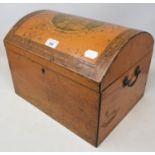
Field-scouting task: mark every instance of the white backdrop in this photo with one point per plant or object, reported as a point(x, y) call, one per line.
point(24, 128)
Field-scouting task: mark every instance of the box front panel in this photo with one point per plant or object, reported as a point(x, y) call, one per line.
point(121, 96)
point(70, 103)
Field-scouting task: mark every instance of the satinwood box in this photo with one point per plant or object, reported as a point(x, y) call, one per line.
point(84, 73)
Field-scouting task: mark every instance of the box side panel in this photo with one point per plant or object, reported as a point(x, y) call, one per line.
point(134, 50)
point(68, 102)
point(117, 99)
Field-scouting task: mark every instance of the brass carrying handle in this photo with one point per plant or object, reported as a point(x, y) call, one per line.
point(130, 82)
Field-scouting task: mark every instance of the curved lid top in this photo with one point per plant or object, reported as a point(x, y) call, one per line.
point(82, 45)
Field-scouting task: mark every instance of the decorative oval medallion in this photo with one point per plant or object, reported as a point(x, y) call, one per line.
point(71, 23)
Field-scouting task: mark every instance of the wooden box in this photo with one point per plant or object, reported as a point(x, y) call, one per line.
point(84, 73)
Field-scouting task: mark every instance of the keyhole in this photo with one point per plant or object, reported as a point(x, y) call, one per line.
point(43, 70)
